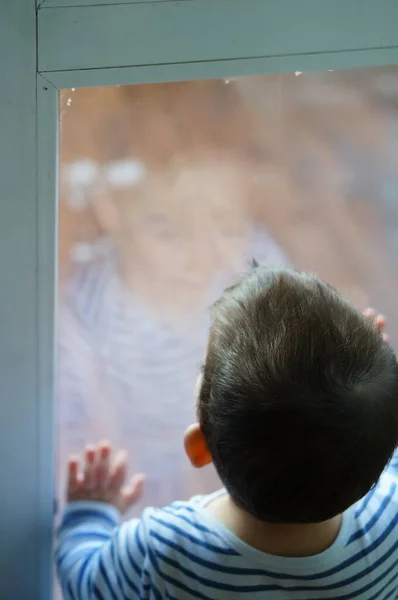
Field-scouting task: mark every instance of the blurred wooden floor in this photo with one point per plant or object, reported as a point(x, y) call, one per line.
point(318, 149)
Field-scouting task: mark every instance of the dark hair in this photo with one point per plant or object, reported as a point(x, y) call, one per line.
point(299, 398)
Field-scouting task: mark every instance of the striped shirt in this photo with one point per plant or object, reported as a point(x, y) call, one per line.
point(182, 553)
point(126, 376)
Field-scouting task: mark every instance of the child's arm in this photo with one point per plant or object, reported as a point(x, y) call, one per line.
point(95, 557)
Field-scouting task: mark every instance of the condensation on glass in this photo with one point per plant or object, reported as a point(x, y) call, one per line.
point(166, 193)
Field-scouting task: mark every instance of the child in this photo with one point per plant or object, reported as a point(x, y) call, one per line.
point(298, 410)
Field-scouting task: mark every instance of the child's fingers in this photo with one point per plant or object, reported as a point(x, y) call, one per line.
point(74, 481)
point(89, 477)
point(118, 472)
point(103, 466)
point(380, 322)
point(132, 492)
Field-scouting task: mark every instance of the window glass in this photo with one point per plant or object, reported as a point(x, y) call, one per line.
point(167, 191)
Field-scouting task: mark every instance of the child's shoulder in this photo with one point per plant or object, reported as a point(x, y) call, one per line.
point(186, 526)
point(190, 511)
point(378, 510)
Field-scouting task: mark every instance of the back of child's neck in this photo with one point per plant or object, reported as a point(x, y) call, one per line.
point(284, 540)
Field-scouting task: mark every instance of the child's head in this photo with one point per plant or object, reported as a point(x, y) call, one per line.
point(298, 404)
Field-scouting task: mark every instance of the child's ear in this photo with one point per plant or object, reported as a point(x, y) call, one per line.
point(196, 447)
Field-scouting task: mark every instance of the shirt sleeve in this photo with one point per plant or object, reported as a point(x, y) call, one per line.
point(96, 558)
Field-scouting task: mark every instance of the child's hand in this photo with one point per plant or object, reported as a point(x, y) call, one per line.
point(378, 320)
point(97, 478)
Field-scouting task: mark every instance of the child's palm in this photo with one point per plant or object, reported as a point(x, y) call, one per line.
point(103, 480)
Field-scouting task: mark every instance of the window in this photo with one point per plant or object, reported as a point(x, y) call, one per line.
point(166, 193)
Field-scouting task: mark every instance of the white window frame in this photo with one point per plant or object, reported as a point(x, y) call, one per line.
point(81, 43)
